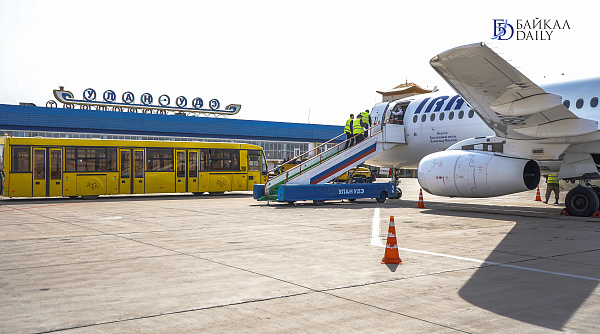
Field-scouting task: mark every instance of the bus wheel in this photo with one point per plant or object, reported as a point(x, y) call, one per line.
point(197, 193)
point(319, 202)
point(216, 193)
point(382, 197)
point(352, 199)
point(89, 197)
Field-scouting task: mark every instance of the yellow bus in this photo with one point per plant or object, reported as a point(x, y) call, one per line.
point(49, 167)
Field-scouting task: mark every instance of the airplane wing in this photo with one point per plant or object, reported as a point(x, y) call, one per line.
point(511, 104)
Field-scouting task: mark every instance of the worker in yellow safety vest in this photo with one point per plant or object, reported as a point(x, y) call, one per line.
point(348, 132)
point(552, 185)
point(366, 120)
point(357, 129)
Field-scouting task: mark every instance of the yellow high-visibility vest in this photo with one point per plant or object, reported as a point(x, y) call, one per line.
point(348, 127)
point(357, 127)
point(552, 178)
point(365, 118)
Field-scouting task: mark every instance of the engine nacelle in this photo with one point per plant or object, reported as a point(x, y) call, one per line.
point(457, 173)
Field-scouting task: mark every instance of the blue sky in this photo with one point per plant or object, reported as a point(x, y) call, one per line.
point(278, 59)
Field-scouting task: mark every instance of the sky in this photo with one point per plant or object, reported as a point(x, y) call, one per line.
point(303, 61)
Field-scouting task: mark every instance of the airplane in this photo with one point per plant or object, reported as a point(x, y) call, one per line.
point(500, 133)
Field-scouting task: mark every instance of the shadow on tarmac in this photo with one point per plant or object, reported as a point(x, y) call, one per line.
point(561, 255)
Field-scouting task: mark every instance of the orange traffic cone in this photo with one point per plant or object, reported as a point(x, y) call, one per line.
point(537, 196)
point(421, 205)
point(391, 255)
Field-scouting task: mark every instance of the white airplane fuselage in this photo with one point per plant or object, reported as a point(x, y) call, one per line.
point(433, 122)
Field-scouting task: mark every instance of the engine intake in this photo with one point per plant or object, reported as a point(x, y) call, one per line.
point(456, 173)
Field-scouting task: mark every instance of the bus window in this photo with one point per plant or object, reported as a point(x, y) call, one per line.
point(203, 160)
point(20, 160)
point(55, 167)
point(193, 164)
point(138, 165)
point(125, 163)
point(39, 169)
point(160, 160)
point(224, 160)
point(253, 162)
point(70, 159)
point(180, 164)
point(1, 157)
point(111, 153)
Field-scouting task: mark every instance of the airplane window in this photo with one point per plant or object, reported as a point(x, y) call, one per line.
point(594, 102)
point(415, 118)
point(423, 118)
point(461, 114)
point(471, 113)
point(451, 115)
point(442, 116)
point(579, 103)
point(567, 104)
point(432, 117)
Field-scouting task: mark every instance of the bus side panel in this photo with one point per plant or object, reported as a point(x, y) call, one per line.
point(19, 184)
point(70, 184)
point(239, 182)
point(203, 184)
point(160, 182)
point(112, 183)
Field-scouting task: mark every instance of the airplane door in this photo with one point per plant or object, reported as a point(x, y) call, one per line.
point(125, 171)
point(39, 172)
point(55, 173)
point(181, 172)
point(192, 171)
point(138, 172)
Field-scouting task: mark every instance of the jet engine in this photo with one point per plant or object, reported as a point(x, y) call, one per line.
point(456, 173)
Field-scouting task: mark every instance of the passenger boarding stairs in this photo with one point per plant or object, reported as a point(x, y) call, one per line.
point(318, 168)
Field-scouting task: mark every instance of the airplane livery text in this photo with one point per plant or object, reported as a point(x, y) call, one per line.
point(438, 102)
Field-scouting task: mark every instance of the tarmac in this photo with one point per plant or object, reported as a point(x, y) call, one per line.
point(215, 264)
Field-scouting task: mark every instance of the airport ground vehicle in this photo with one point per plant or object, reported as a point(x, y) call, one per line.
point(48, 167)
point(356, 175)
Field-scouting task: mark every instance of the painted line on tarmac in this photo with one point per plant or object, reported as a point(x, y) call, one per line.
point(376, 241)
point(501, 264)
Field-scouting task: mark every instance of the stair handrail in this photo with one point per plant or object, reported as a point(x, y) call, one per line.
point(320, 154)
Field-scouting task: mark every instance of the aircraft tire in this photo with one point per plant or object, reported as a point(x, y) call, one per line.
point(582, 202)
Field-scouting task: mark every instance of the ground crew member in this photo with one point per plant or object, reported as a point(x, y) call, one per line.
point(366, 119)
point(552, 185)
point(357, 129)
point(348, 131)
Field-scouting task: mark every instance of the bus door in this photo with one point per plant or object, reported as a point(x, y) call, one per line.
point(192, 168)
point(54, 174)
point(131, 172)
point(181, 171)
point(138, 172)
point(254, 168)
point(39, 172)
